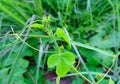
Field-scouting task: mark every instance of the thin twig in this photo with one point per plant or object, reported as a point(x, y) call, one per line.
point(83, 76)
point(85, 73)
point(106, 73)
point(31, 77)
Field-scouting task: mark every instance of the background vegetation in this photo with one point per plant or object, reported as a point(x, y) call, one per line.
point(94, 29)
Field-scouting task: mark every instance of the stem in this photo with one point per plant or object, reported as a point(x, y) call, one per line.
point(32, 46)
point(36, 36)
point(85, 73)
point(82, 76)
point(30, 75)
point(106, 73)
point(53, 37)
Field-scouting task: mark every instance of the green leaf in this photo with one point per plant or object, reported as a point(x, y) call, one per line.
point(62, 68)
point(111, 81)
point(93, 48)
point(62, 62)
point(19, 71)
point(105, 41)
point(18, 79)
point(23, 64)
point(3, 75)
point(104, 81)
point(95, 69)
point(69, 58)
point(77, 81)
point(53, 60)
point(61, 34)
point(36, 25)
point(96, 58)
point(8, 60)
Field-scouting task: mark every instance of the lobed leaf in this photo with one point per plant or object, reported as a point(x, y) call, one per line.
point(62, 62)
point(62, 68)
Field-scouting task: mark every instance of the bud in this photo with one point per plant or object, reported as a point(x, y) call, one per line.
point(46, 20)
point(61, 48)
point(99, 76)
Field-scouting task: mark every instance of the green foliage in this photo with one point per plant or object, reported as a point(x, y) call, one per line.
point(3, 73)
point(17, 76)
point(104, 41)
point(95, 58)
point(77, 81)
point(61, 34)
point(93, 26)
point(36, 25)
point(104, 81)
point(62, 62)
point(111, 81)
